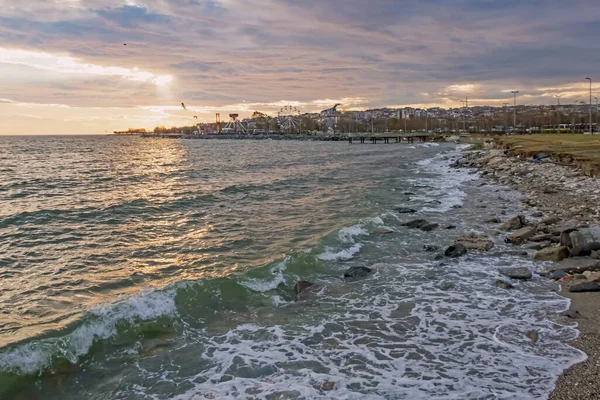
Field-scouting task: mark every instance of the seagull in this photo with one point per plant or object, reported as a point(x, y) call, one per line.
point(184, 107)
point(195, 117)
point(124, 44)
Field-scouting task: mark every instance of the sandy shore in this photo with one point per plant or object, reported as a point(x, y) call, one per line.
point(564, 199)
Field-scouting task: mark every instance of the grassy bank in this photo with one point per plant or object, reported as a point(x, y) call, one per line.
point(582, 151)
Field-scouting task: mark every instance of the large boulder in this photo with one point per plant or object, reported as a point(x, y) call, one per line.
point(552, 254)
point(356, 273)
point(475, 242)
point(541, 238)
point(585, 287)
point(578, 265)
point(455, 251)
point(405, 210)
point(514, 223)
point(583, 241)
point(521, 235)
point(521, 273)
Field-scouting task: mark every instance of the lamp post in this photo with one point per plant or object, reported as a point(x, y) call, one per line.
point(590, 79)
point(596, 112)
point(505, 118)
point(514, 92)
point(558, 96)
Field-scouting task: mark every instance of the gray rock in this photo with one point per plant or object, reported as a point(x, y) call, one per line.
point(405, 210)
point(585, 287)
point(538, 246)
point(583, 241)
point(449, 227)
point(355, 273)
point(430, 248)
point(429, 227)
point(304, 290)
point(540, 238)
point(474, 242)
point(577, 265)
point(595, 254)
point(494, 220)
point(552, 254)
point(521, 273)
point(514, 223)
point(301, 286)
point(521, 235)
point(533, 335)
point(558, 274)
point(537, 214)
point(455, 251)
point(503, 284)
point(416, 223)
point(573, 314)
point(551, 220)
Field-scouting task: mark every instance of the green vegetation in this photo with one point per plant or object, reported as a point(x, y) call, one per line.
point(573, 149)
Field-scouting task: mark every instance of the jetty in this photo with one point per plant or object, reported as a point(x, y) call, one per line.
point(398, 138)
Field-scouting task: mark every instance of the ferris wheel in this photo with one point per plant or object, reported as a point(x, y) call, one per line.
point(289, 118)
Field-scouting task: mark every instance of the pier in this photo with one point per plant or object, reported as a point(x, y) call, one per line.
point(398, 138)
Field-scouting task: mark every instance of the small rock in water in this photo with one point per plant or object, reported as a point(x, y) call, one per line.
point(325, 386)
point(552, 254)
point(585, 287)
point(430, 248)
point(409, 194)
point(573, 314)
point(521, 273)
point(533, 335)
point(503, 284)
point(429, 227)
point(438, 257)
point(450, 227)
point(416, 223)
point(494, 220)
point(474, 242)
point(521, 235)
point(537, 214)
point(456, 206)
point(455, 251)
point(357, 273)
point(300, 287)
point(405, 210)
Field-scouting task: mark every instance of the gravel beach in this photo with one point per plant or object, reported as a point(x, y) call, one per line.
point(566, 204)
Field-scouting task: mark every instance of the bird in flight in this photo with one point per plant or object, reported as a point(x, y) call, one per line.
point(124, 44)
point(195, 117)
point(184, 107)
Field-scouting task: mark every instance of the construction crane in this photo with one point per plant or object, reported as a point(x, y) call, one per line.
point(330, 117)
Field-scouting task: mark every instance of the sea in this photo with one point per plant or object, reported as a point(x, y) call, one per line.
point(135, 268)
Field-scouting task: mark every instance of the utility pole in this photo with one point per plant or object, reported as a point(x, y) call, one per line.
point(590, 79)
point(596, 113)
point(505, 117)
point(426, 119)
point(464, 116)
point(558, 96)
point(514, 92)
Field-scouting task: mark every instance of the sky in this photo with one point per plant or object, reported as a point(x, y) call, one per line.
point(65, 68)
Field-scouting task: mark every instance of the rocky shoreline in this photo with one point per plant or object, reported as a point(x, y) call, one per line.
point(563, 234)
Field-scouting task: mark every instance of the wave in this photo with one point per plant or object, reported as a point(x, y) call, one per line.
point(341, 255)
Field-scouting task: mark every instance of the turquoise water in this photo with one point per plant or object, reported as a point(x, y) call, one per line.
point(150, 269)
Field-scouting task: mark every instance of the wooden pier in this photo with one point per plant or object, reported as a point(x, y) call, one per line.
point(408, 137)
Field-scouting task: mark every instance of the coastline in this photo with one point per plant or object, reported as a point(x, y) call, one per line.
point(564, 199)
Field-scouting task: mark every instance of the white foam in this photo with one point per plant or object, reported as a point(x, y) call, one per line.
point(260, 285)
point(37, 355)
point(347, 235)
point(342, 255)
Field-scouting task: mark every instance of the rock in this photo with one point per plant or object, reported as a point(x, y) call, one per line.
point(583, 241)
point(521, 273)
point(430, 248)
point(533, 335)
point(494, 220)
point(540, 238)
point(558, 274)
point(474, 242)
point(355, 273)
point(585, 287)
point(455, 251)
point(565, 227)
point(456, 206)
point(595, 254)
point(503, 284)
point(521, 235)
point(537, 214)
point(438, 257)
point(416, 223)
point(573, 314)
point(514, 223)
point(405, 210)
point(429, 227)
point(538, 246)
point(550, 220)
point(301, 286)
point(449, 227)
point(325, 386)
point(578, 264)
point(552, 254)
point(384, 230)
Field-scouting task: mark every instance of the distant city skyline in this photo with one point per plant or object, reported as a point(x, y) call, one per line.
point(93, 67)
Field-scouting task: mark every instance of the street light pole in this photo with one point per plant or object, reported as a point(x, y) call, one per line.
point(505, 117)
point(514, 92)
point(558, 96)
point(590, 79)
